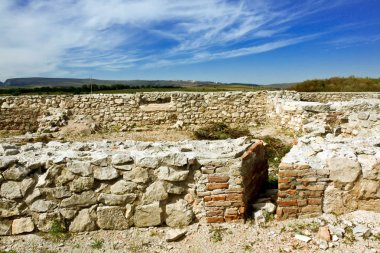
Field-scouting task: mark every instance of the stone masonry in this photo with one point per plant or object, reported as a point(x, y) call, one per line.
point(115, 185)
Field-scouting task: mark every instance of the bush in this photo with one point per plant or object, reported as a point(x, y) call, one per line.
point(219, 131)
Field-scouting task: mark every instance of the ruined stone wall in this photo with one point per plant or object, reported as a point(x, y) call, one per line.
point(148, 110)
point(325, 97)
point(115, 185)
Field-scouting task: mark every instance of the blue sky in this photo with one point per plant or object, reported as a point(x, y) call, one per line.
point(251, 41)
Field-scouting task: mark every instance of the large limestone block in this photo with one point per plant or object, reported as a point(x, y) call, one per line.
point(16, 173)
point(338, 202)
point(84, 199)
point(148, 215)
point(121, 159)
point(5, 227)
point(11, 190)
point(83, 222)
point(82, 184)
point(82, 168)
point(137, 175)
point(9, 208)
point(112, 217)
point(114, 200)
point(6, 162)
point(178, 214)
point(170, 174)
point(155, 192)
point(175, 159)
point(22, 225)
point(369, 189)
point(105, 173)
point(41, 206)
point(344, 170)
point(122, 186)
point(147, 160)
point(45, 221)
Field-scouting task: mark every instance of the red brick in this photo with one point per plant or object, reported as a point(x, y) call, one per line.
point(287, 173)
point(238, 197)
point(229, 218)
point(316, 201)
point(216, 179)
point(218, 197)
point(307, 179)
point(282, 186)
point(235, 190)
point(285, 166)
point(310, 193)
point(207, 198)
point(289, 202)
point(301, 202)
point(218, 203)
point(238, 204)
point(287, 210)
point(291, 192)
point(318, 187)
point(214, 213)
point(215, 219)
point(284, 180)
point(232, 211)
point(282, 194)
point(214, 186)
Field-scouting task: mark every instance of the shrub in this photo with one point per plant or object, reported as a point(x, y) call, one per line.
point(219, 131)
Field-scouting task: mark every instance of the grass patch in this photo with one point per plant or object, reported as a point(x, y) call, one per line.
point(216, 234)
point(219, 131)
point(57, 232)
point(97, 244)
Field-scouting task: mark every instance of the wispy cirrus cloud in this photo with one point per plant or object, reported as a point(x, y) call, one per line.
point(40, 37)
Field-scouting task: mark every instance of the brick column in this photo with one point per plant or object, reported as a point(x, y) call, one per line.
point(300, 192)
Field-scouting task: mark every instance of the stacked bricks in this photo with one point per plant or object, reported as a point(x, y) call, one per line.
point(232, 186)
point(300, 191)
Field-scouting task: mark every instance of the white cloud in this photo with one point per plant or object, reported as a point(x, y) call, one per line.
point(47, 37)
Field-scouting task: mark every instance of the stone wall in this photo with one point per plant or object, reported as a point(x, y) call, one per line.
point(325, 97)
point(148, 110)
point(115, 185)
point(335, 171)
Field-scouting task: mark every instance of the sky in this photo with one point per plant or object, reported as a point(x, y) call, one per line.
point(249, 41)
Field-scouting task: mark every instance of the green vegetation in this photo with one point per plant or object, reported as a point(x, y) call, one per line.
point(57, 232)
point(216, 234)
point(339, 84)
point(97, 244)
point(219, 131)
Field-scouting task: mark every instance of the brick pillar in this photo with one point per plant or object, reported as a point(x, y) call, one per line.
point(300, 192)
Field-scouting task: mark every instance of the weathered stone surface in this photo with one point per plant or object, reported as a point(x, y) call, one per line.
point(84, 199)
point(26, 185)
point(100, 159)
point(8, 208)
point(174, 188)
point(44, 221)
point(369, 189)
point(175, 234)
point(179, 214)
point(82, 184)
point(82, 168)
point(65, 177)
point(122, 186)
point(146, 160)
point(120, 159)
point(115, 200)
point(137, 175)
point(16, 173)
point(175, 159)
point(268, 207)
point(61, 192)
point(148, 215)
point(11, 190)
point(22, 225)
point(155, 192)
point(42, 206)
point(33, 196)
point(170, 174)
point(83, 222)
point(5, 227)
point(68, 214)
point(344, 170)
point(112, 217)
point(6, 162)
point(105, 173)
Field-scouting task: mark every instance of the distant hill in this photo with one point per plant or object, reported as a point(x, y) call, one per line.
point(339, 84)
point(74, 82)
point(279, 85)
